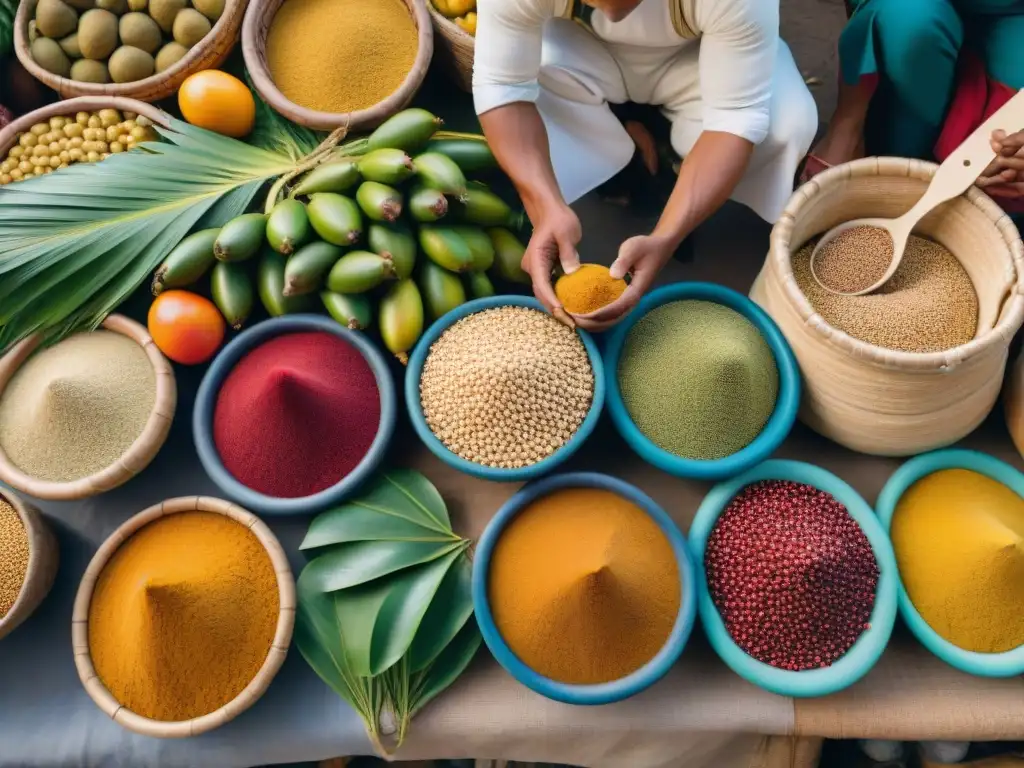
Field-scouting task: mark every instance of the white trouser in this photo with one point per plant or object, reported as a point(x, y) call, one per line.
point(581, 74)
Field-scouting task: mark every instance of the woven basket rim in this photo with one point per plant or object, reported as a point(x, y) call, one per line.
point(141, 452)
point(275, 656)
point(227, 24)
point(39, 536)
point(1010, 318)
point(255, 62)
point(449, 27)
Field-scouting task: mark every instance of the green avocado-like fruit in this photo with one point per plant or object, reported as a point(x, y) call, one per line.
point(128, 64)
point(50, 56)
point(139, 30)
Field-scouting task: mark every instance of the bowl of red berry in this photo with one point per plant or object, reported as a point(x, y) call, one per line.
point(799, 578)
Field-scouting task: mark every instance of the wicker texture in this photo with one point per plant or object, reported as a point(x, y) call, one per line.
point(257, 686)
point(254, 50)
point(455, 48)
point(209, 53)
point(882, 401)
point(141, 452)
point(43, 557)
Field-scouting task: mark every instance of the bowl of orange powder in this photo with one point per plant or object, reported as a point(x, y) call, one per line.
point(584, 588)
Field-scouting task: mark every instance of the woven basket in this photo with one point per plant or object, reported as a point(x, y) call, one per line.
point(455, 49)
point(1013, 402)
point(209, 53)
point(256, 687)
point(43, 556)
point(141, 452)
point(254, 50)
point(881, 401)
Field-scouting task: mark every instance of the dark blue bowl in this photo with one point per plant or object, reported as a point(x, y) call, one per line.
point(419, 421)
point(603, 693)
point(786, 404)
point(224, 363)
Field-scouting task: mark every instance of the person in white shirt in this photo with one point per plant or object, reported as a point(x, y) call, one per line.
point(546, 70)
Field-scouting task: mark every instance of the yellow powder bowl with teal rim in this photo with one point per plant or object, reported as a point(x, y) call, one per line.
point(277, 650)
point(70, 397)
point(904, 481)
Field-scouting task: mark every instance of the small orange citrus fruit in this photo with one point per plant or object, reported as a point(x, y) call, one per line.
point(218, 102)
point(185, 326)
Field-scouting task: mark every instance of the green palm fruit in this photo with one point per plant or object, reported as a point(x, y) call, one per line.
point(508, 256)
point(379, 201)
point(471, 155)
point(407, 130)
point(335, 176)
point(446, 248)
point(270, 284)
point(359, 272)
point(442, 290)
point(232, 292)
point(387, 166)
point(480, 246)
point(187, 262)
point(401, 318)
point(441, 173)
point(241, 238)
point(307, 268)
point(396, 241)
point(288, 226)
point(335, 218)
point(354, 311)
point(426, 204)
point(483, 207)
point(479, 285)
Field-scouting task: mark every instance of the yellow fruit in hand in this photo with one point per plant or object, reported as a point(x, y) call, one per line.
point(468, 23)
point(218, 102)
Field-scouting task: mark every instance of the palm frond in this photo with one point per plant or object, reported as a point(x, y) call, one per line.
point(7, 10)
point(278, 134)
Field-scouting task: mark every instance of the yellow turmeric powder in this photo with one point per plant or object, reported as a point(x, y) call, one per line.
point(183, 616)
point(959, 542)
point(340, 56)
point(584, 586)
point(588, 289)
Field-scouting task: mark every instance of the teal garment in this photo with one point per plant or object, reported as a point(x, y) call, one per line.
point(913, 47)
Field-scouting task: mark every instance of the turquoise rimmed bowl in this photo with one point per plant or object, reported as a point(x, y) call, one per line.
point(225, 362)
point(1007, 664)
point(419, 421)
point(859, 660)
point(604, 693)
point(771, 436)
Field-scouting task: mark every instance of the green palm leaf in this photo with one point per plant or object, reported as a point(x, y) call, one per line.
point(7, 9)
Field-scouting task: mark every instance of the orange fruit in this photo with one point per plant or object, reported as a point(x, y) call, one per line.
point(218, 102)
point(185, 326)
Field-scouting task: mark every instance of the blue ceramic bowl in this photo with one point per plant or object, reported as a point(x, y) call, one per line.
point(224, 363)
point(419, 421)
point(1007, 664)
point(604, 693)
point(859, 660)
point(773, 433)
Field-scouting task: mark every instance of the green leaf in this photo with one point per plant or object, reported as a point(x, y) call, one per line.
point(348, 565)
point(446, 668)
point(276, 133)
point(400, 505)
point(448, 613)
point(7, 10)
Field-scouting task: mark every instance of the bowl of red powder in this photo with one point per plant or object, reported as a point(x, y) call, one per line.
point(797, 578)
point(294, 414)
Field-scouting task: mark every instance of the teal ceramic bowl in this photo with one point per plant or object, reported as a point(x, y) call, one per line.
point(859, 660)
point(1007, 664)
point(439, 449)
point(604, 693)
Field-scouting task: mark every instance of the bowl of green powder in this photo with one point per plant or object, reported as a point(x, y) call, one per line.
point(704, 385)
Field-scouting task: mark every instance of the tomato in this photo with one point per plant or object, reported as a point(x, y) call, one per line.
point(185, 326)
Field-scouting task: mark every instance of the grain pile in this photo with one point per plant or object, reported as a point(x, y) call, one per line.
point(855, 259)
point(75, 408)
point(506, 387)
point(698, 379)
point(928, 305)
point(14, 555)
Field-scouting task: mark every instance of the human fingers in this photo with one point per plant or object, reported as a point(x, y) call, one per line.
point(537, 263)
point(1007, 191)
point(1001, 177)
point(629, 254)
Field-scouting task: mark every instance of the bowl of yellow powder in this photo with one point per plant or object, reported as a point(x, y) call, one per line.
point(584, 588)
point(328, 64)
point(183, 617)
point(701, 382)
point(956, 520)
point(28, 560)
point(86, 414)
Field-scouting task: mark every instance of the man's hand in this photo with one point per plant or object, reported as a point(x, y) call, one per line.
point(1004, 176)
point(554, 241)
point(642, 257)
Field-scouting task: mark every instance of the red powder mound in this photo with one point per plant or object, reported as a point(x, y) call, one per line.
point(296, 414)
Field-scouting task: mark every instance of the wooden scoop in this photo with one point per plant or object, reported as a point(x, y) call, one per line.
point(959, 171)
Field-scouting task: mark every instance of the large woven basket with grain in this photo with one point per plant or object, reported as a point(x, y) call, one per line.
point(43, 556)
point(255, 29)
point(455, 47)
point(208, 53)
point(882, 401)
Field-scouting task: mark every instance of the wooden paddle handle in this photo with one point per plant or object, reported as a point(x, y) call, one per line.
point(963, 167)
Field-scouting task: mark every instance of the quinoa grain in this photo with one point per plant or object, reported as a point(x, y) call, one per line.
point(855, 259)
point(14, 554)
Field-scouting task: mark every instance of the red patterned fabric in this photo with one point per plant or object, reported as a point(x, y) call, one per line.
point(5, 116)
